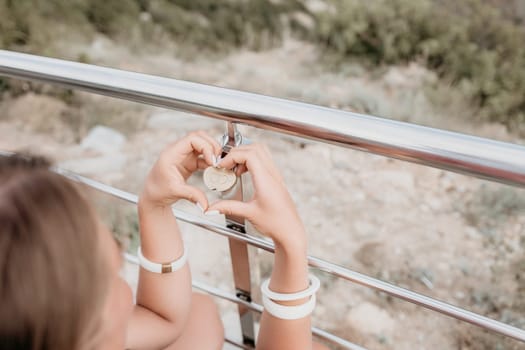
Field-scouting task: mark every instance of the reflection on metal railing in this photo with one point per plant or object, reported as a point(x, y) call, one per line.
point(497, 161)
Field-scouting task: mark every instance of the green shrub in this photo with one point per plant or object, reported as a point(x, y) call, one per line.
point(206, 24)
point(470, 43)
point(210, 25)
point(29, 25)
point(4, 86)
point(491, 206)
point(9, 33)
point(112, 16)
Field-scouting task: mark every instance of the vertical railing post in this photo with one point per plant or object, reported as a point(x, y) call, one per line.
point(239, 250)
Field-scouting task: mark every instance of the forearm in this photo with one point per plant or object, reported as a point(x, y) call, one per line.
point(289, 275)
point(167, 295)
point(164, 299)
point(160, 237)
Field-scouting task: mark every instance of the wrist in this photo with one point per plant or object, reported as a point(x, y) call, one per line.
point(160, 238)
point(291, 248)
point(290, 268)
point(292, 241)
point(150, 212)
point(148, 201)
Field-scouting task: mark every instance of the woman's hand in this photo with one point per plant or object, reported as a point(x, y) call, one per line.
point(271, 210)
point(166, 182)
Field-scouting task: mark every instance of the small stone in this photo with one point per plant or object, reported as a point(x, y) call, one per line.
point(397, 187)
point(317, 6)
point(363, 228)
point(369, 319)
point(459, 295)
point(424, 208)
point(96, 166)
point(435, 204)
point(394, 78)
point(304, 20)
point(472, 233)
point(103, 140)
point(447, 183)
point(145, 17)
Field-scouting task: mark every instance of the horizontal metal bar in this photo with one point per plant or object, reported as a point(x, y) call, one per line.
point(336, 270)
point(476, 156)
point(258, 308)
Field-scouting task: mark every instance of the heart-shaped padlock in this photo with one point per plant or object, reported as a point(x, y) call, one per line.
point(219, 179)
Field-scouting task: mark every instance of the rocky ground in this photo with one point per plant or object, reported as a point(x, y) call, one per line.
point(449, 236)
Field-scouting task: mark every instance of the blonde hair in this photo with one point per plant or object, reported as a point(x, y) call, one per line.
point(53, 273)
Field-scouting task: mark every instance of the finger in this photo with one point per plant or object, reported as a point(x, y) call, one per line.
point(203, 147)
point(233, 208)
point(242, 155)
point(201, 164)
point(193, 195)
point(217, 149)
point(255, 158)
point(248, 157)
point(241, 169)
point(184, 146)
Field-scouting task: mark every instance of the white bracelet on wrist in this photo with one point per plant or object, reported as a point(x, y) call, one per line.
point(311, 290)
point(290, 312)
point(165, 267)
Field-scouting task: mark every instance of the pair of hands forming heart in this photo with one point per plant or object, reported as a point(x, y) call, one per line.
point(271, 210)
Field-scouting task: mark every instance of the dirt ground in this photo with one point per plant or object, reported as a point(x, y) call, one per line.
point(449, 236)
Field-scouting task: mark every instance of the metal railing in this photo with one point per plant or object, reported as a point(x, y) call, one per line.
point(493, 160)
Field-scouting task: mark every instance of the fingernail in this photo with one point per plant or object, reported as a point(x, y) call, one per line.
point(215, 161)
point(198, 205)
point(212, 212)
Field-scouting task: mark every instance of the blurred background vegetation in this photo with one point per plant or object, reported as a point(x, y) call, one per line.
point(475, 45)
point(475, 48)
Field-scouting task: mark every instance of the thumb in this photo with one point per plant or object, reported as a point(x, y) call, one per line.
point(231, 207)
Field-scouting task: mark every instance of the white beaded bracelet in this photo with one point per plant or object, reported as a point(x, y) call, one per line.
point(162, 268)
point(289, 312)
point(311, 290)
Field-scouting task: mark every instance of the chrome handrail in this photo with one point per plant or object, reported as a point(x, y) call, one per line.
point(497, 161)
